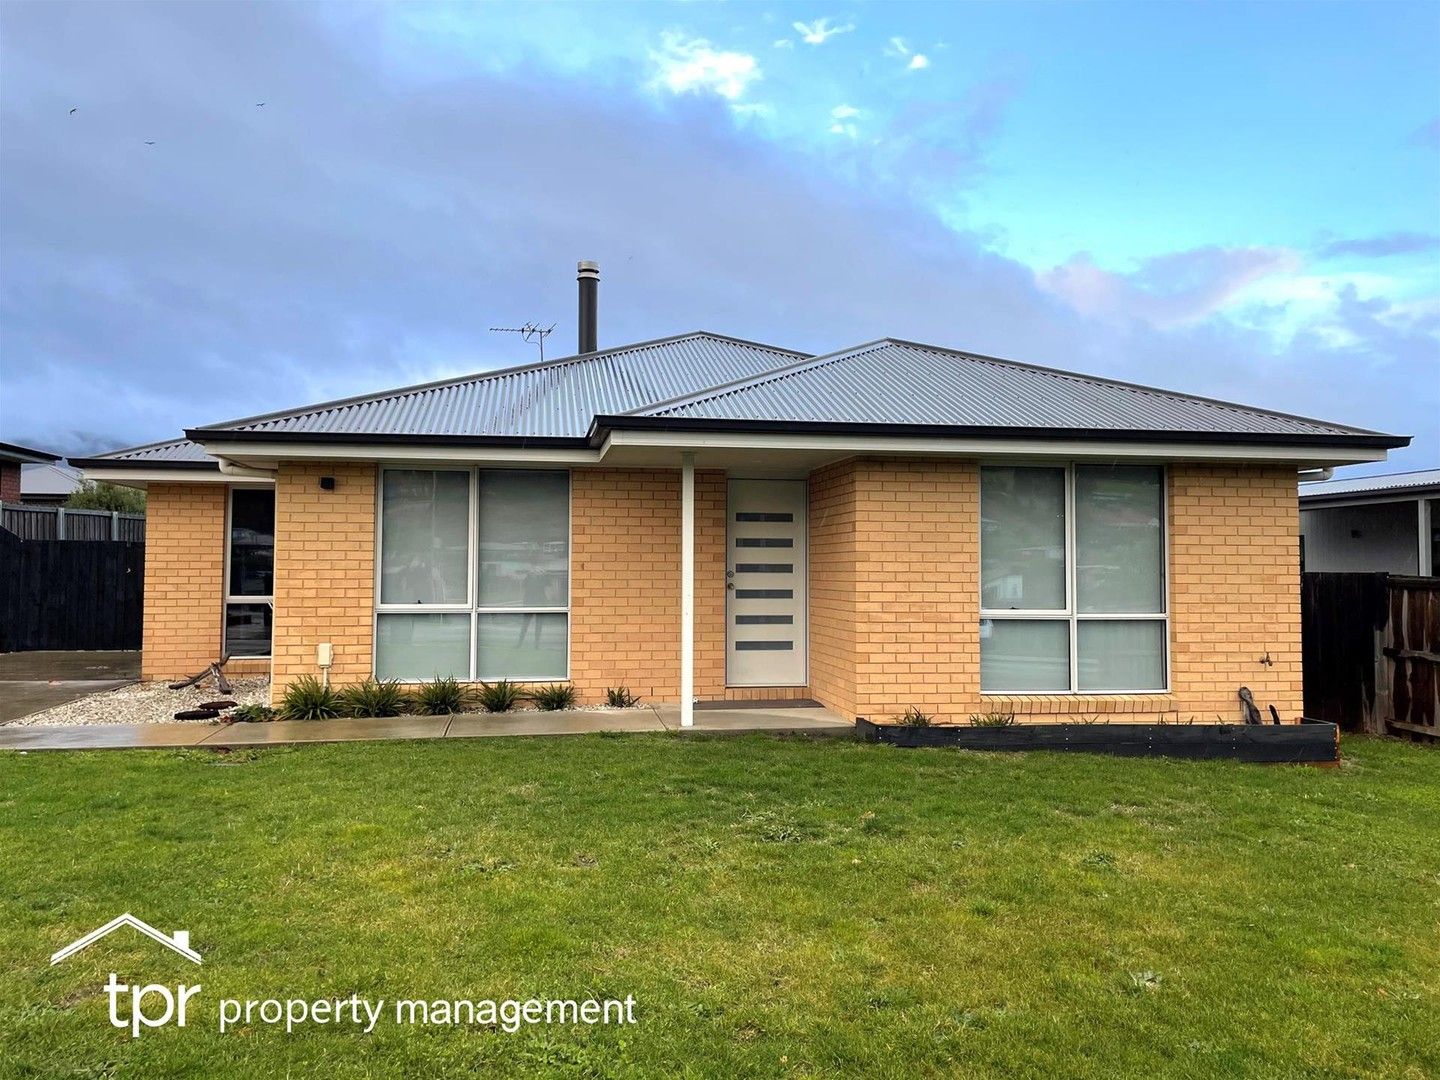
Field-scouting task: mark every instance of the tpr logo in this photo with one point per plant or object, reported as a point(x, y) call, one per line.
point(172, 1002)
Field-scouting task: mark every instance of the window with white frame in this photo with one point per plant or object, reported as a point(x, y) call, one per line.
point(474, 576)
point(250, 572)
point(1072, 579)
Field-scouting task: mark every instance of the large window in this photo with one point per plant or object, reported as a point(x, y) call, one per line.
point(1072, 579)
point(250, 572)
point(474, 574)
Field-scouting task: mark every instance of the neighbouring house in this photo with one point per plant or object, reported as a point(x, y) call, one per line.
point(12, 458)
point(49, 484)
point(701, 517)
point(1388, 523)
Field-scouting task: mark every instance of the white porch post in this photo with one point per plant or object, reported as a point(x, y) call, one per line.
point(687, 589)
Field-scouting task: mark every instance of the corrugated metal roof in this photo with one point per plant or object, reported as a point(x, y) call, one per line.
point(174, 452)
point(557, 399)
point(898, 383)
point(1372, 485)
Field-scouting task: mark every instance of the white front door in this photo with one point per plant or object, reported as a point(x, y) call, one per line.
point(765, 572)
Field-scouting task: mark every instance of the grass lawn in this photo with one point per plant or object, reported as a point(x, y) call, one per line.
point(775, 906)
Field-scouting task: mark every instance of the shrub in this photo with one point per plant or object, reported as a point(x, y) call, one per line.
point(309, 699)
point(253, 714)
point(500, 696)
point(620, 697)
point(913, 717)
point(372, 698)
point(553, 697)
point(992, 719)
point(441, 696)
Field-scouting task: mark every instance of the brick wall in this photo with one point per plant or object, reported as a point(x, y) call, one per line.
point(324, 571)
point(833, 555)
point(1235, 589)
point(9, 482)
point(894, 587)
point(185, 582)
point(1234, 575)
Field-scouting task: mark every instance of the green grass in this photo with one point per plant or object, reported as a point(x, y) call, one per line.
point(807, 907)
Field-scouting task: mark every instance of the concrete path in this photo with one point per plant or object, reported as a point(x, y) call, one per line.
point(32, 681)
point(659, 718)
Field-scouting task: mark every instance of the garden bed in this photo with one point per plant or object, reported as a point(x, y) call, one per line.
point(1308, 742)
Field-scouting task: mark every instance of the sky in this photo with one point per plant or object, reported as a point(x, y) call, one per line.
point(214, 210)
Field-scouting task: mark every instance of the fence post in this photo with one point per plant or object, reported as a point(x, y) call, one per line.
point(114, 524)
point(60, 523)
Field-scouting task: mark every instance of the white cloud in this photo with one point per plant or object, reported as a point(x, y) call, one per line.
point(840, 117)
point(784, 43)
point(817, 32)
point(897, 47)
point(844, 112)
point(919, 61)
point(693, 65)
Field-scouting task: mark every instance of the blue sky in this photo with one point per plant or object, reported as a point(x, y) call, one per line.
point(1236, 200)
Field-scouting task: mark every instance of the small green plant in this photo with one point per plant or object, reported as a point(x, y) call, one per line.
point(374, 698)
point(554, 697)
point(620, 697)
point(499, 696)
point(913, 717)
point(992, 719)
point(441, 697)
point(252, 714)
point(309, 699)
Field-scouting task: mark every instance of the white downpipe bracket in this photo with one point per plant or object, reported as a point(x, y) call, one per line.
point(687, 589)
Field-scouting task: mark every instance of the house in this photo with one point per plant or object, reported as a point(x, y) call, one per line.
point(48, 484)
point(1388, 523)
point(699, 516)
point(12, 458)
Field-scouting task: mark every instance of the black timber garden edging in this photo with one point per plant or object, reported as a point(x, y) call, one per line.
point(1314, 742)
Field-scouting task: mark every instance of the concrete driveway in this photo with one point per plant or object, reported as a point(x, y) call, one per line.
point(31, 681)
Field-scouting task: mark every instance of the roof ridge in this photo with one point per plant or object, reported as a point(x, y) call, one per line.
point(481, 376)
point(744, 383)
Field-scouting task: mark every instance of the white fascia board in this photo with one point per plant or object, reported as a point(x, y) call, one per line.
point(267, 453)
point(1032, 448)
point(132, 477)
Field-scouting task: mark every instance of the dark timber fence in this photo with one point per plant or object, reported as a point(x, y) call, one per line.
point(70, 594)
point(61, 523)
point(1372, 651)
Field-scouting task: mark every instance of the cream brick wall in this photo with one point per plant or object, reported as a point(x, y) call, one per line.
point(1235, 589)
point(324, 571)
point(833, 561)
point(1235, 596)
point(894, 587)
point(185, 582)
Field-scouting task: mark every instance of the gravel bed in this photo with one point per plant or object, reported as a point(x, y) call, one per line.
point(145, 703)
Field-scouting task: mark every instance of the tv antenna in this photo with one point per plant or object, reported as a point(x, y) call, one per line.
point(531, 332)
